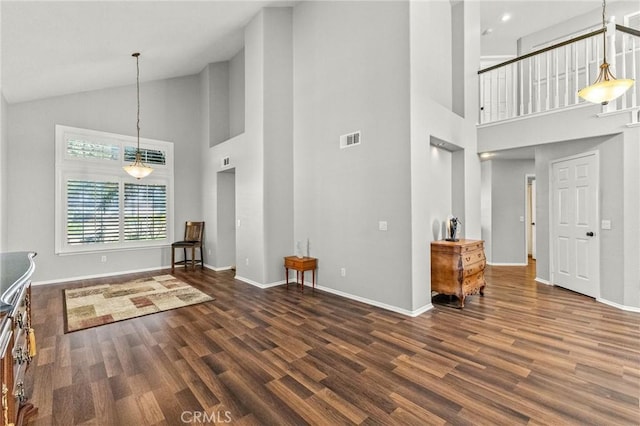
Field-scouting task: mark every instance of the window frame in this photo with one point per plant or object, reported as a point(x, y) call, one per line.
point(69, 167)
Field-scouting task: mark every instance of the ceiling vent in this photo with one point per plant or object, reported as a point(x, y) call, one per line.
point(350, 139)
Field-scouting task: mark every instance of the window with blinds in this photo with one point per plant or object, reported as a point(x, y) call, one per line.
point(145, 212)
point(93, 213)
point(148, 156)
point(100, 207)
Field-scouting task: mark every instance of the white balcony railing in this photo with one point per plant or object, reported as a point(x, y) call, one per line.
point(549, 79)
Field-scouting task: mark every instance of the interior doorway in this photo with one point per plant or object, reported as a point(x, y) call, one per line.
point(530, 203)
point(226, 222)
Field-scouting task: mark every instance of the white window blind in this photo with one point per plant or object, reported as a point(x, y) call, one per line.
point(145, 212)
point(100, 207)
point(93, 215)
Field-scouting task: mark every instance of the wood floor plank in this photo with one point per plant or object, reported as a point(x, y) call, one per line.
point(525, 353)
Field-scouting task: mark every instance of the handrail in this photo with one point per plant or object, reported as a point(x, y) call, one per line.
point(628, 30)
point(546, 49)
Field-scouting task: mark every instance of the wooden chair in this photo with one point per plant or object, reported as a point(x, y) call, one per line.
point(192, 239)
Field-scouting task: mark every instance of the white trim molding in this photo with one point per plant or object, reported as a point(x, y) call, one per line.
point(542, 281)
point(618, 306)
point(108, 274)
point(505, 264)
point(257, 284)
point(375, 303)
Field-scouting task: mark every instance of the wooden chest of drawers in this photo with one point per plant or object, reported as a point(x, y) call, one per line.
point(457, 268)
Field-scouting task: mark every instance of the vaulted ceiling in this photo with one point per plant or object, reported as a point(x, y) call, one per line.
point(56, 47)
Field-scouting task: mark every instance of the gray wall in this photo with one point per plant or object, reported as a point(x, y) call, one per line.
point(440, 171)
point(611, 207)
point(347, 80)
point(508, 204)
point(236, 94)
point(4, 143)
point(226, 226)
point(218, 114)
point(169, 111)
point(225, 88)
point(431, 116)
point(486, 206)
point(277, 136)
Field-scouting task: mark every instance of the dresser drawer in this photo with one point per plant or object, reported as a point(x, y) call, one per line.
point(473, 268)
point(473, 283)
point(472, 257)
point(300, 263)
point(473, 247)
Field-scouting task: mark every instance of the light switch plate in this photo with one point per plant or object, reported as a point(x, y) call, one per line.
point(382, 225)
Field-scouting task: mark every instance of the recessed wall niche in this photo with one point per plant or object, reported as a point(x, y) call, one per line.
point(447, 191)
point(226, 99)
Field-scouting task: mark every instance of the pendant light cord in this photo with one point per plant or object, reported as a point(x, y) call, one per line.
point(604, 34)
point(138, 95)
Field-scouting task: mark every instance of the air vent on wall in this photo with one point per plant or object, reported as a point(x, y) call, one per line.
point(226, 161)
point(350, 139)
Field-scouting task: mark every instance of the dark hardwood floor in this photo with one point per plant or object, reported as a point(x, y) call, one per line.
point(525, 353)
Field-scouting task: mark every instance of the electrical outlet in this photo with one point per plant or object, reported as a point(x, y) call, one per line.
point(343, 272)
point(209, 252)
point(382, 225)
point(103, 259)
point(246, 261)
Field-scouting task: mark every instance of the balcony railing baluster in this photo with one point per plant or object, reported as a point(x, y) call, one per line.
point(549, 79)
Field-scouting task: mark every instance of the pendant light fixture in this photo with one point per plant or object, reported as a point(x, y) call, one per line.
point(138, 169)
point(606, 87)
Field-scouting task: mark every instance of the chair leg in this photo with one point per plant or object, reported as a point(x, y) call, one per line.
point(184, 250)
point(173, 259)
point(193, 257)
point(201, 258)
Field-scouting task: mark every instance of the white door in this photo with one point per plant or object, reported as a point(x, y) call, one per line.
point(574, 218)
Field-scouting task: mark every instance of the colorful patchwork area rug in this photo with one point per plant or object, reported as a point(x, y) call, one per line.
point(106, 303)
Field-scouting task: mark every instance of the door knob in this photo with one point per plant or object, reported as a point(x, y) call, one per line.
point(590, 234)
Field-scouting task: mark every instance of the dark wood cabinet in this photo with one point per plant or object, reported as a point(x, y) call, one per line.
point(457, 268)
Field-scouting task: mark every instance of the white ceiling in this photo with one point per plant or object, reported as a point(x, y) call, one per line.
point(55, 47)
point(527, 17)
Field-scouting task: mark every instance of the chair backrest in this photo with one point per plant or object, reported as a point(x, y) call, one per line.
point(193, 231)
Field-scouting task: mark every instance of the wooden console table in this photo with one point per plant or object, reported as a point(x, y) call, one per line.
point(457, 268)
point(300, 264)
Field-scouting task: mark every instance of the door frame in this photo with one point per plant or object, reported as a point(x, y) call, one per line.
point(552, 266)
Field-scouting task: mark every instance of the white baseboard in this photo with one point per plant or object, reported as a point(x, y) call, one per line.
point(542, 281)
point(257, 284)
point(505, 264)
point(619, 306)
point(218, 268)
point(108, 274)
point(375, 303)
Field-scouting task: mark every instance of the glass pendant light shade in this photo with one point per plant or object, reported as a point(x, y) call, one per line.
point(138, 169)
point(606, 87)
